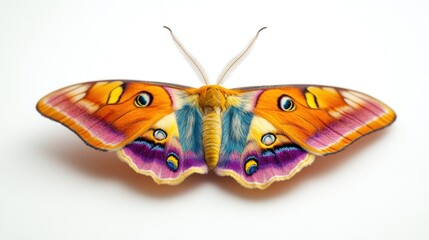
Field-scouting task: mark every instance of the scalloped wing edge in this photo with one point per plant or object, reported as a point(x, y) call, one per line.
point(304, 163)
point(150, 173)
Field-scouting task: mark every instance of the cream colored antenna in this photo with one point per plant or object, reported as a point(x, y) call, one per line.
point(237, 58)
point(194, 62)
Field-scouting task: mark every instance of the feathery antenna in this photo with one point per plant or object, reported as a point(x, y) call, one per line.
point(194, 62)
point(237, 58)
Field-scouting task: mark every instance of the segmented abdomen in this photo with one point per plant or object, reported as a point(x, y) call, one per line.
point(212, 132)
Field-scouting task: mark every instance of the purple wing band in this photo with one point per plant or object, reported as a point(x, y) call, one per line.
point(256, 169)
point(165, 164)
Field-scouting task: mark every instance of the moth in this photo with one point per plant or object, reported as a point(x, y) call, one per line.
point(256, 135)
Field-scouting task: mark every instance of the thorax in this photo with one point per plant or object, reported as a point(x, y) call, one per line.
point(213, 97)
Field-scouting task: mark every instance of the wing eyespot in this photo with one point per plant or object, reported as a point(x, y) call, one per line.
point(144, 99)
point(286, 103)
point(268, 139)
point(172, 162)
point(159, 134)
point(251, 166)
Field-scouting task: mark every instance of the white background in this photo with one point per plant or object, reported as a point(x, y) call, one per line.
point(52, 186)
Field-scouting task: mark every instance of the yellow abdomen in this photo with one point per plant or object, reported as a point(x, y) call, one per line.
point(212, 102)
point(212, 134)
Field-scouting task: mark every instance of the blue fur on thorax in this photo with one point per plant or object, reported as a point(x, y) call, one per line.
point(234, 137)
point(189, 120)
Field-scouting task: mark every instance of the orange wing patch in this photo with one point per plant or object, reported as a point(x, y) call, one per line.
point(104, 114)
point(324, 119)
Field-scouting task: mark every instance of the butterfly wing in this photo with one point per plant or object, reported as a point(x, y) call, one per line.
point(271, 133)
point(148, 123)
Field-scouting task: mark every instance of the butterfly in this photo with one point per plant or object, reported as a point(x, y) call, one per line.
point(256, 135)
